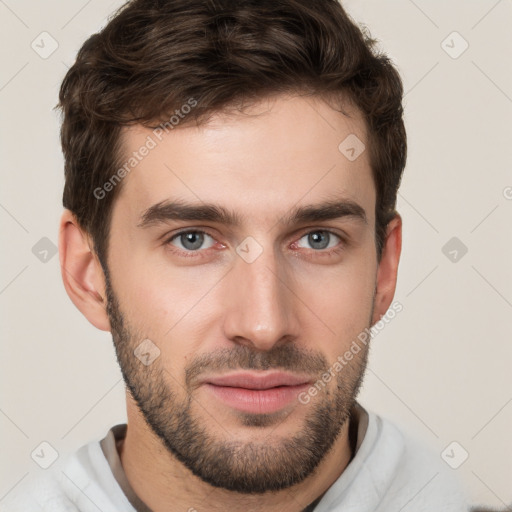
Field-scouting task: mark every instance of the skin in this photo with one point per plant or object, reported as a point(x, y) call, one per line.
point(281, 154)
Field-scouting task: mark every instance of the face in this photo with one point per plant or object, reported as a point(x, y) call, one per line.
point(242, 263)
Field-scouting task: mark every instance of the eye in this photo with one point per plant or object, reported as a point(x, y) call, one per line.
point(320, 240)
point(191, 240)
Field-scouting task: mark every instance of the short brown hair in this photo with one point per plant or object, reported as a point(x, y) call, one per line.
point(155, 55)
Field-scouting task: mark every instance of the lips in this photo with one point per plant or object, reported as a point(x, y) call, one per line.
point(257, 393)
point(259, 381)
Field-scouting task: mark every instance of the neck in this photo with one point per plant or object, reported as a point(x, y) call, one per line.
point(159, 479)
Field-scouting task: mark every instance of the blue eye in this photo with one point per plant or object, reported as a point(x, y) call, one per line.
point(320, 240)
point(191, 240)
point(194, 242)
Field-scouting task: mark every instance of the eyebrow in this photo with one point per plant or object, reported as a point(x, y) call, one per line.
point(180, 210)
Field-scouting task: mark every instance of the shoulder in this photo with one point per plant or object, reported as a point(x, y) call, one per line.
point(82, 482)
point(40, 492)
point(422, 480)
point(391, 471)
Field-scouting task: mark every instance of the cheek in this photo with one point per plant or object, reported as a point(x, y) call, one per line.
point(341, 300)
point(154, 294)
point(170, 306)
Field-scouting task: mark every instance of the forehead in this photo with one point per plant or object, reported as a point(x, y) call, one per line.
point(282, 152)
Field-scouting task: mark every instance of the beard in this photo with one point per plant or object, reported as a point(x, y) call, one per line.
point(244, 467)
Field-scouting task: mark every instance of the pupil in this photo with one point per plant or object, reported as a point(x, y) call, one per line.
point(319, 239)
point(192, 240)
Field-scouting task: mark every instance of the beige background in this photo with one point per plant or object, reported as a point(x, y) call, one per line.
point(441, 368)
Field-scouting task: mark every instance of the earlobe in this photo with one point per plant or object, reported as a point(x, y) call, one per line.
point(81, 272)
point(388, 268)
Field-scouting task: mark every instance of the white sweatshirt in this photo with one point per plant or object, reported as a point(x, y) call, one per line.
point(390, 472)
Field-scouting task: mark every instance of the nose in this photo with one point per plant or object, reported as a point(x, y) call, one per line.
point(261, 308)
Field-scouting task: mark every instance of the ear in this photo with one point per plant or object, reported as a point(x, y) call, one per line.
point(81, 272)
point(388, 268)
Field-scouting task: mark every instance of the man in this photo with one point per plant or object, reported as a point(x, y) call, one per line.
point(231, 179)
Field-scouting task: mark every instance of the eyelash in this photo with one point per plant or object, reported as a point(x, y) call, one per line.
point(200, 252)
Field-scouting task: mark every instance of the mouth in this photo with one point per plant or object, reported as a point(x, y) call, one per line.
point(257, 392)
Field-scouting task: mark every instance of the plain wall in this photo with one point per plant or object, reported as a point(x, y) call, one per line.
point(440, 369)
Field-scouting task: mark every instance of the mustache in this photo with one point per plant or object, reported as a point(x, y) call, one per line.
point(241, 357)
